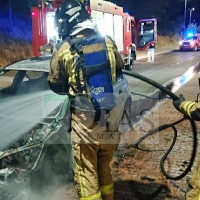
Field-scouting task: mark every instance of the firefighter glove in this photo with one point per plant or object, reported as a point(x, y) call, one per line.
point(177, 103)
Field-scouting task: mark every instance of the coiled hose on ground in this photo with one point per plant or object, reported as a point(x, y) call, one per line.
point(162, 127)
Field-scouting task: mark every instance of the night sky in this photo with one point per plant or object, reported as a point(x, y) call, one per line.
point(169, 13)
point(160, 8)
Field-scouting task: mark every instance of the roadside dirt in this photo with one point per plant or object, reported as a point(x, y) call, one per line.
point(142, 167)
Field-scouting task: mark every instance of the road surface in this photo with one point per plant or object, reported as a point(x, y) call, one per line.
point(167, 67)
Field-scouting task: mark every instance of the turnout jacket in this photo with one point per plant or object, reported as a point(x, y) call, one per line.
point(62, 64)
point(91, 143)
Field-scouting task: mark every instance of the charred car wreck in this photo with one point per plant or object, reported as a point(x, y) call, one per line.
point(35, 149)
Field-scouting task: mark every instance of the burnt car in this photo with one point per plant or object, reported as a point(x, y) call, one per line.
point(190, 43)
point(35, 146)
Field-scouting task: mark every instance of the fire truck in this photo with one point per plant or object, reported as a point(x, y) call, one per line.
point(110, 19)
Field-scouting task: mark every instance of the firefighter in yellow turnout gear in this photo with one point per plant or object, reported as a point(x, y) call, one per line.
point(93, 145)
point(192, 110)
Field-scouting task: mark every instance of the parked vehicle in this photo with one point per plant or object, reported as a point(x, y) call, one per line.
point(190, 43)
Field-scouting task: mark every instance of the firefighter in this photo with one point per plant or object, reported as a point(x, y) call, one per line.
point(192, 110)
point(93, 147)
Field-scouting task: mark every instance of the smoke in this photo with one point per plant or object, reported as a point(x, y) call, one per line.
point(52, 179)
point(19, 114)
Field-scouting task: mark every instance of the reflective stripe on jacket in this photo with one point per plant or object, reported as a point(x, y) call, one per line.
point(63, 62)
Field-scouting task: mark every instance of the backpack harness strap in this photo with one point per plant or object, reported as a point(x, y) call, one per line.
point(96, 72)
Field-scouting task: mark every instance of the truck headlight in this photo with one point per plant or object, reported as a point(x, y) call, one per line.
point(180, 42)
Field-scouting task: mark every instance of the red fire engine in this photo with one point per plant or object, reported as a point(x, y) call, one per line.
point(110, 19)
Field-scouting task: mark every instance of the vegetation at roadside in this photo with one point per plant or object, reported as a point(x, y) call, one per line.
point(168, 41)
point(12, 50)
point(15, 49)
point(15, 38)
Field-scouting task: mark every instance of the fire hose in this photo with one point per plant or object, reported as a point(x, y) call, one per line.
point(53, 127)
point(162, 127)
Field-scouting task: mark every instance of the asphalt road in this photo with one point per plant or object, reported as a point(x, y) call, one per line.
point(167, 67)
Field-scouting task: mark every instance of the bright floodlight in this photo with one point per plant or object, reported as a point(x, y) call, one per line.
point(51, 31)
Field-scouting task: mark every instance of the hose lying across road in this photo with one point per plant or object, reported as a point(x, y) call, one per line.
point(162, 127)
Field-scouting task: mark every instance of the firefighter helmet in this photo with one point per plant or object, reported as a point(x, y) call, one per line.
point(69, 14)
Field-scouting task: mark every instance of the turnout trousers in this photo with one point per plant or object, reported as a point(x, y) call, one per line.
point(93, 150)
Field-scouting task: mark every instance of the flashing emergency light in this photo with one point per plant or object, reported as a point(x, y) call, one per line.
point(189, 34)
point(52, 33)
point(34, 14)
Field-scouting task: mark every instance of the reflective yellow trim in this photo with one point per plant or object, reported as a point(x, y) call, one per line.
point(93, 197)
point(110, 45)
point(81, 179)
point(112, 60)
point(64, 53)
point(187, 106)
point(82, 182)
point(199, 196)
point(107, 189)
point(93, 48)
point(68, 59)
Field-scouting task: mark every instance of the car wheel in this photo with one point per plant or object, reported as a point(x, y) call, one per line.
point(195, 48)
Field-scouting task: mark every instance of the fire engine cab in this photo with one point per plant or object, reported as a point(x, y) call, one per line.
point(110, 19)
